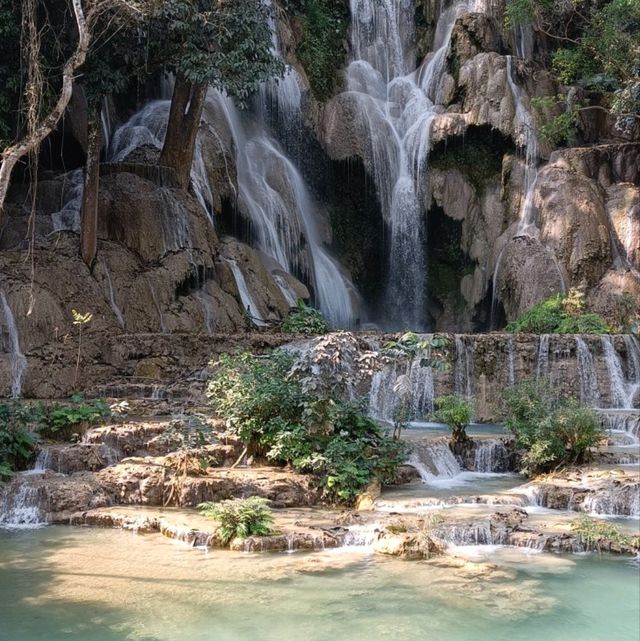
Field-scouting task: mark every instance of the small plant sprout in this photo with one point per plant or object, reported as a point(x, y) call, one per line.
point(80, 320)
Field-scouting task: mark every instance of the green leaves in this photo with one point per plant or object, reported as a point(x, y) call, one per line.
point(305, 320)
point(550, 429)
point(240, 518)
point(456, 412)
point(335, 441)
point(560, 314)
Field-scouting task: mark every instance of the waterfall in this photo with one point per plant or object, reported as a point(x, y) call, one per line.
point(112, 298)
point(463, 367)
point(542, 368)
point(68, 217)
point(383, 397)
point(491, 455)
point(511, 367)
point(21, 504)
point(248, 303)
point(208, 310)
point(16, 357)
point(397, 104)
point(621, 390)
point(434, 460)
point(273, 194)
point(589, 388)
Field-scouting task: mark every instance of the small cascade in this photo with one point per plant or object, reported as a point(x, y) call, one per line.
point(511, 367)
point(434, 460)
point(208, 310)
point(543, 366)
point(589, 388)
point(248, 303)
point(619, 389)
point(383, 397)
point(22, 503)
point(491, 455)
point(613, 501)
point(68, 218)
point(10, 341)
point(112, 298)
point(463, 367)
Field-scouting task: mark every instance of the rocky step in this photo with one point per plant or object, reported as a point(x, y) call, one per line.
point(611, 491)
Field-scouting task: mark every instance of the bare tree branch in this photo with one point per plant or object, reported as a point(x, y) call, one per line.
point(34, 137)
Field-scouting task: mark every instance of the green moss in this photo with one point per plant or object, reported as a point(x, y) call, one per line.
point(321, 51)
point(448, 263)
point(557, 315)
point(478, 161)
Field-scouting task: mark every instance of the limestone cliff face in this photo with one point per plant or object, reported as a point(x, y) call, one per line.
point(167, 265)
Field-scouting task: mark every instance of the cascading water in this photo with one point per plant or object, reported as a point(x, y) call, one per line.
point(622, 389)
point(273, 194)
point(383, 397)
point(463, 367)
point(434, 460)
point(248, 303)
point(589, 387)
point(511, 366)
point(542, 366)
point(10, 340)
point(397, 104)
point(491, 455)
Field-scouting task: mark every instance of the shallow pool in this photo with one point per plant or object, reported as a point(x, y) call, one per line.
point(101, 585)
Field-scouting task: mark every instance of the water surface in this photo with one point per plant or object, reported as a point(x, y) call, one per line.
point(105, 585)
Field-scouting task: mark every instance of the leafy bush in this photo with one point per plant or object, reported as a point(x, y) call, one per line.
point(305, 320)
point(241, 518)
point(560, 314)
point(456, 412)
point(321, 51)
point(552, 430)
point(17, 440)
point(273, 415)
point(22, 424)
point(594, 532)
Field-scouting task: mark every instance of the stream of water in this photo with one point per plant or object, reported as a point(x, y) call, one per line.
point(104, 585)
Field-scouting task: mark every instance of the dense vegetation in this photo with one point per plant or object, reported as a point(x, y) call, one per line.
point(550, 429)
point(594, 45)
point(22, 425)
point(560, 314)
point(275, 417)
point(324, 25)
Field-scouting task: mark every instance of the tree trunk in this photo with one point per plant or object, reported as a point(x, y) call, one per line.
point(177, 152)
point(89, 211)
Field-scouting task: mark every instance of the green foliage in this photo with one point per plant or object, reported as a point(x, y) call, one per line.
point(598, 44)
point(552, 430)
point(456, 412)
point(596, 532)
point(305, 320)
point(270, 411)
point(560, 314)
point(240, 518)
point(321, 50)
point(23, 424)
point(223, 43)
point(411, 344)
point(557, 128)
point(17, 439)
